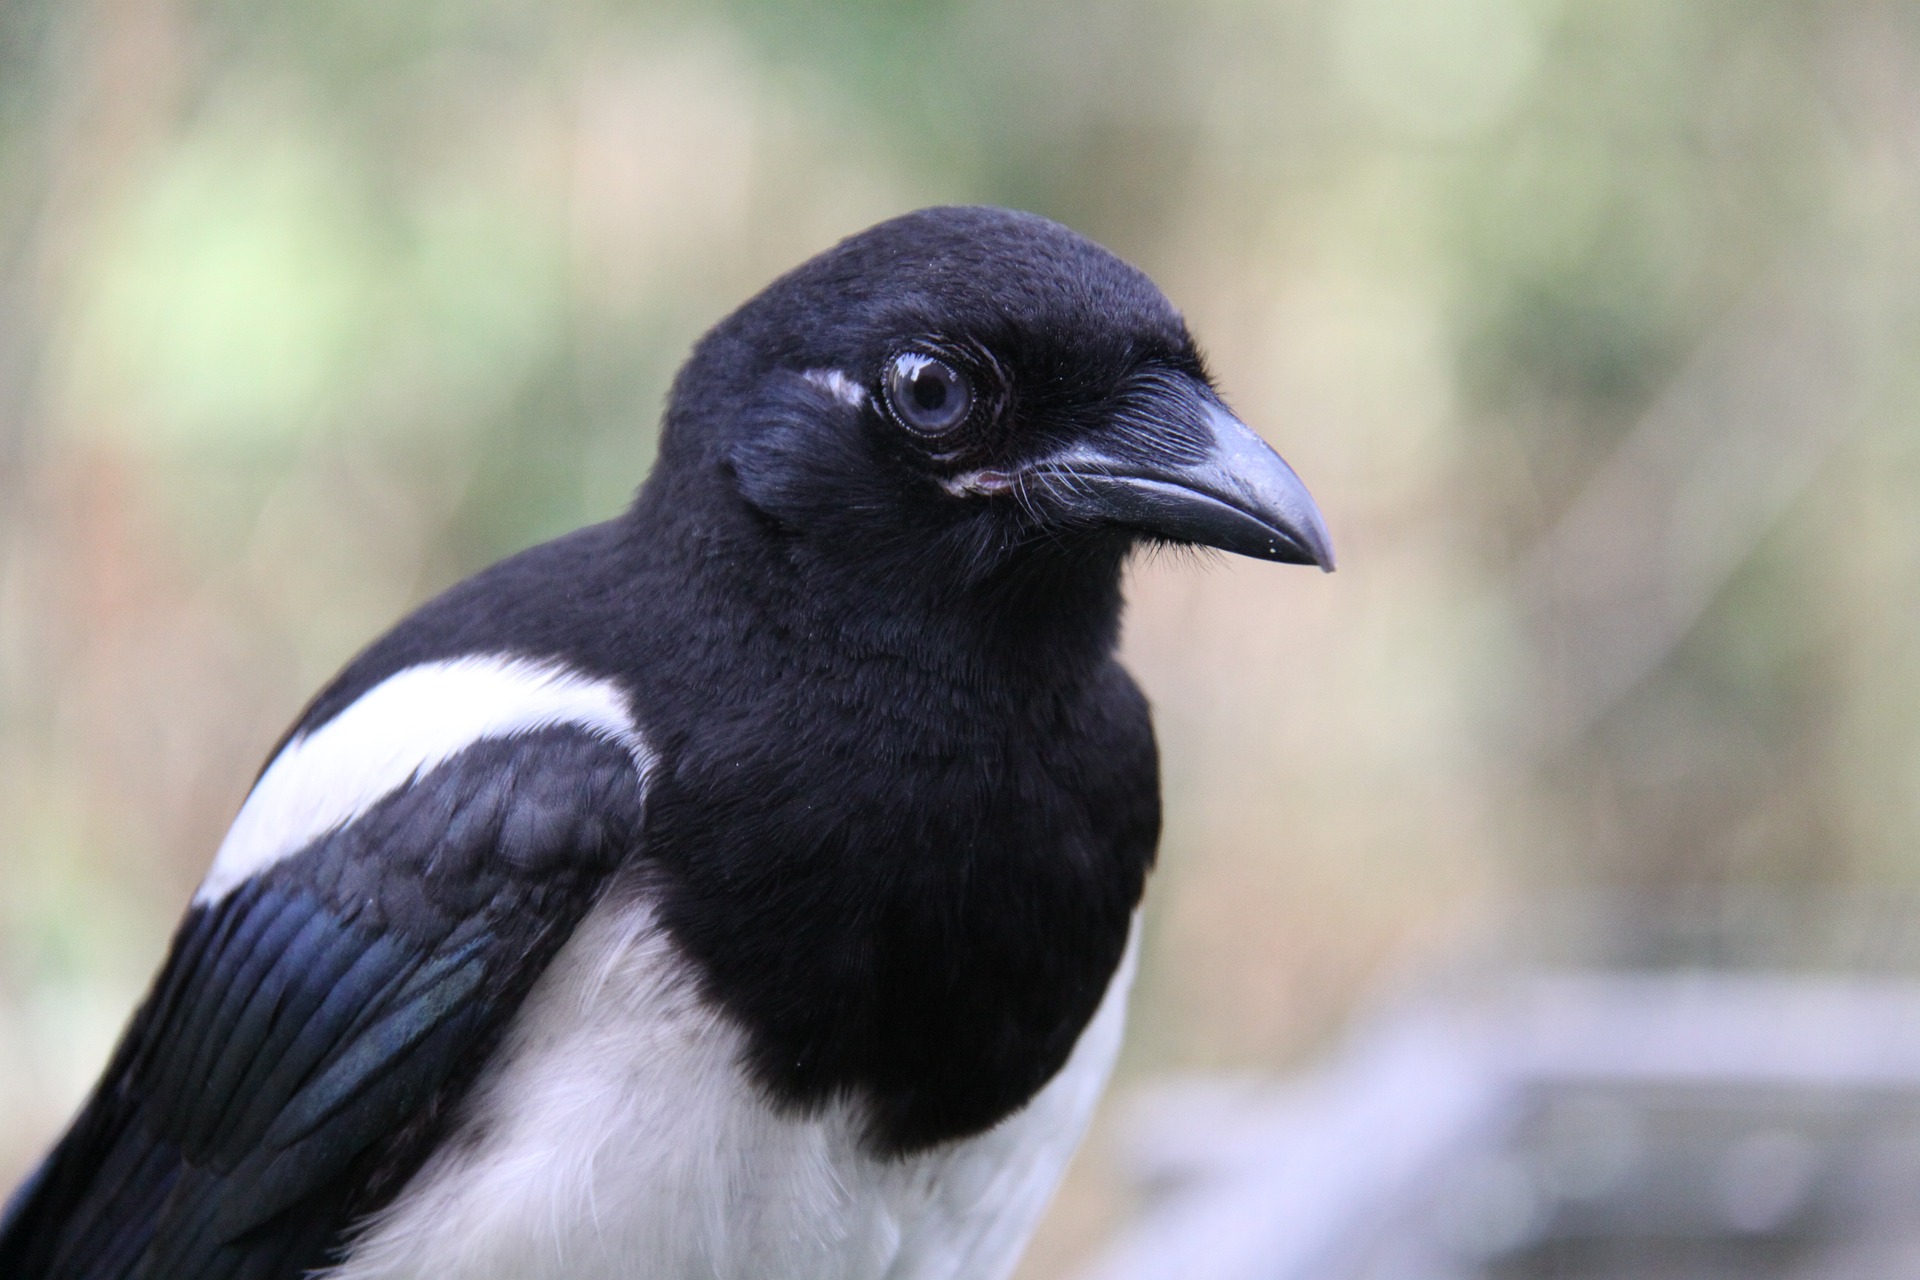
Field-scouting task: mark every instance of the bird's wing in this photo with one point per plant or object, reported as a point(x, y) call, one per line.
point(315, 1023)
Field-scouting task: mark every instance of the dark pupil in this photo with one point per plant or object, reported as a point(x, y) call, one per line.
point(929, 391)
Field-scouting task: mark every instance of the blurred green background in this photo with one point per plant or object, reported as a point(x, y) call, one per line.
point(1593, 325)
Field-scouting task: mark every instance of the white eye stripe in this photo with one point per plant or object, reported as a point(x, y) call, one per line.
point(838, 385)
point(411, 722)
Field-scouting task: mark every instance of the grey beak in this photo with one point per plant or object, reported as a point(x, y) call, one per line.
point(1220, 485)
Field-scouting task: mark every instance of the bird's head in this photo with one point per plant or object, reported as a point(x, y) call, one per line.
point(959, 393)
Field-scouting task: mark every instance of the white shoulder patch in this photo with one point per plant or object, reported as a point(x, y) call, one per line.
point(402, 727)
point(838, 385)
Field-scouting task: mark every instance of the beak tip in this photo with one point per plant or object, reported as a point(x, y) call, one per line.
point(1318, 552)
point(1310, 536)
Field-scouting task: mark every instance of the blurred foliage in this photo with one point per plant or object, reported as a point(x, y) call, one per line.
point(1591, 323)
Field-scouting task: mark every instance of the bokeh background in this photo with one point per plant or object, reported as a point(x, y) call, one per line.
point(1594, 325)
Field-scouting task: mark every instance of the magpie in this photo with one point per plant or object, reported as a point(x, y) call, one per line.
point(745, 888)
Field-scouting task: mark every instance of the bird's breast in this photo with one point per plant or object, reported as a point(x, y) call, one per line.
point(620, 1133)
point(922, 917)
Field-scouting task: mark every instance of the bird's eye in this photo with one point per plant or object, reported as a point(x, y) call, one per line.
point(927, 395)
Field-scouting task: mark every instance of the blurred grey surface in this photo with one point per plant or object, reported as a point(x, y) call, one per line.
point(1689, 1121)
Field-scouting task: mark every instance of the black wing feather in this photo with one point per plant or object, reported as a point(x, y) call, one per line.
point(311, 1030)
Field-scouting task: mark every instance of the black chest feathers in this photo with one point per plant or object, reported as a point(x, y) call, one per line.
point(918, 911)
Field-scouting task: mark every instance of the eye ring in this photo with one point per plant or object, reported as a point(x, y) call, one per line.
point(927, 395)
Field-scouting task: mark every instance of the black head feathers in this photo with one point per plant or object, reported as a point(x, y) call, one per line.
point(957, 390)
